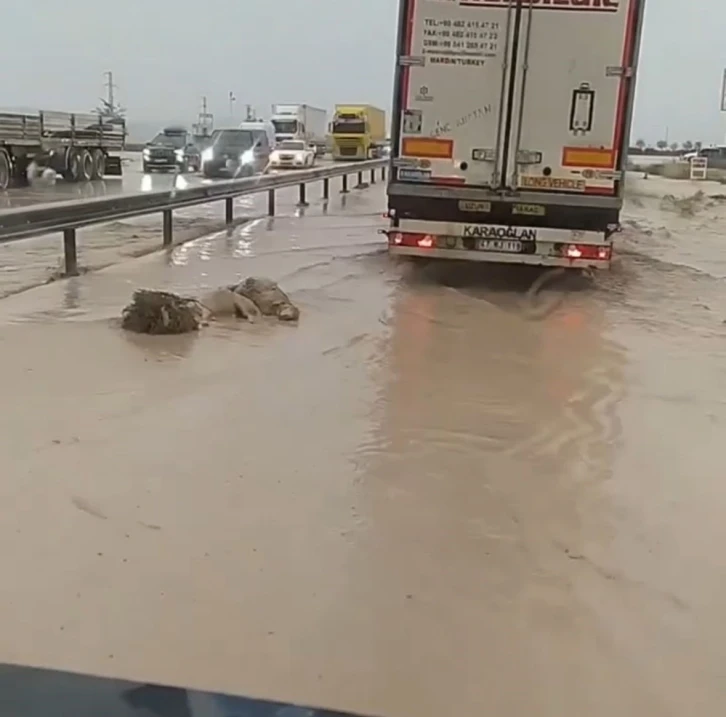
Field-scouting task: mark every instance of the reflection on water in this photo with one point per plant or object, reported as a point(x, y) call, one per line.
point(483, 481)
point(429, 498)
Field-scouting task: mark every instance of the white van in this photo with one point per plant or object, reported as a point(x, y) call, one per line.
point(261, 128)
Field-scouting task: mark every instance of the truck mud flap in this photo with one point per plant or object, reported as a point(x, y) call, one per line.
point(113, 167)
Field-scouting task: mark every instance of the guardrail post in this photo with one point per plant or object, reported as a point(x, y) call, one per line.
point(70, 254)
point(383, 173)
point(229, 210)
point(302, 202)
point(326, 189)
point(360, 179)
point(271, 203)
point(373, 176)
point(344, 190)
point(167, 227)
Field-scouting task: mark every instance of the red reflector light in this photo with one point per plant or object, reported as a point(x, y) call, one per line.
point(418, 241)
point(587, 251)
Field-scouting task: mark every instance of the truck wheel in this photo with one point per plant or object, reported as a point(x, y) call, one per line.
point(99, 164)
point(86, 166)
point(72, 171)
point(6, 170)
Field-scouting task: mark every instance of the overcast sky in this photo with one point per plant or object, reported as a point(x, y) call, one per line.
point(166, 54)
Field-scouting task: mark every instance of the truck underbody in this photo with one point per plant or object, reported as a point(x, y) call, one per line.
point(76, 146)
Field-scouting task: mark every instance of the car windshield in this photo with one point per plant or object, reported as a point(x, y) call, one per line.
point(233, 139)
point(292, 146)
point(169, 140)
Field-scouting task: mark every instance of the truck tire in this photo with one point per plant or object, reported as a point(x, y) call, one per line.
point(99, 164)
point(6, 170)
point(86, 166)
point(72, 171)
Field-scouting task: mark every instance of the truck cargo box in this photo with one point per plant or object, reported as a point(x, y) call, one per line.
point(510, 127)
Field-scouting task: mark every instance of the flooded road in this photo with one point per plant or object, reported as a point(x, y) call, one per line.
point(422, 500)
point(32, 262)
point(133, 180)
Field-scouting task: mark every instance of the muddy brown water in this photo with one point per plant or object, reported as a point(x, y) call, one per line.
point(423, 500)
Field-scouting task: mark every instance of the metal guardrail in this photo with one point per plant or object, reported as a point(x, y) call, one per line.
point(69, 216)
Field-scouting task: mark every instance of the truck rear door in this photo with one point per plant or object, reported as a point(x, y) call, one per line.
point(515, 94)
point(452, 82)
point(571, 94)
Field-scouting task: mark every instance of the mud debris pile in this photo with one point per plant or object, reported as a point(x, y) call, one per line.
point(691, 205)
point(269, 298)
point(161, 312)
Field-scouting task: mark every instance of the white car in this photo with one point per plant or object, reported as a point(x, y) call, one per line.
point(292, 154)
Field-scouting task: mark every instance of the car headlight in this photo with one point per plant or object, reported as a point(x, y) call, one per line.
point(247, 157)
point(146, 153)
point(179, 154)
point(207, 154)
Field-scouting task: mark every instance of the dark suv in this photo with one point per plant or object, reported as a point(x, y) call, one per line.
point(172, 148)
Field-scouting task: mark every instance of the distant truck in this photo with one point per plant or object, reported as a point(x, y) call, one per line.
point(358, 132)
point(79, 147)
point(300, 122)
point(509, 141)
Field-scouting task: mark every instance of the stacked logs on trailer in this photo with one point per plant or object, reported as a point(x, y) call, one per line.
point(162, 312)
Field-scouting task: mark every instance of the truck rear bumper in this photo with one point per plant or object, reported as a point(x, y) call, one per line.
point(495, 243)
point(474, 224)
point(499, 257)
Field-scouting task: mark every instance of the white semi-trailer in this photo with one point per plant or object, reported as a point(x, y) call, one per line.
point(301, 122)
point(510, 129)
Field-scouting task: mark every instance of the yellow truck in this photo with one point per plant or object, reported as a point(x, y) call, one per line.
point(358, 132)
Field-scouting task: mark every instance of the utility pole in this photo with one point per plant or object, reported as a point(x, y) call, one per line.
point(232, 100)
point(109, 109)
point(110, 87)
point(205, 121)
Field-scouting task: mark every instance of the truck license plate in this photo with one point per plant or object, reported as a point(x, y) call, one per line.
point(507, 245)
point(230, 164)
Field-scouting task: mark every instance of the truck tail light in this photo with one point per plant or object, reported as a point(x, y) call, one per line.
point(418, 241)
point(586, 251)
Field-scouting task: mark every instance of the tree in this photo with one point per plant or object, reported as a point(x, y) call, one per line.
point(675, 146)
point(688, 145)
point(697, 146)
point(640, 144)
point(661, 144)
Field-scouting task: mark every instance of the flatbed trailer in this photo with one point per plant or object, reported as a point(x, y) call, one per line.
point(79, 147)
